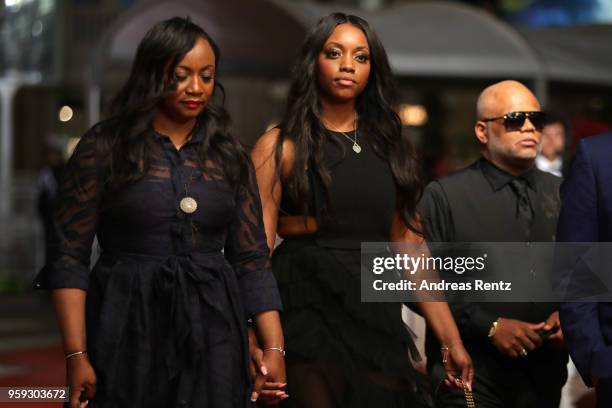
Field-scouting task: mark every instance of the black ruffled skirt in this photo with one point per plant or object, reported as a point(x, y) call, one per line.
point(167, 332)
point(341, 352)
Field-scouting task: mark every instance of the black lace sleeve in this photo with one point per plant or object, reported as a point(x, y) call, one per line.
point(247, 250)
point(75, 220)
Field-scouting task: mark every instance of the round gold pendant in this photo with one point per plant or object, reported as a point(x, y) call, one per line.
point(188, 205)
point(356, 148)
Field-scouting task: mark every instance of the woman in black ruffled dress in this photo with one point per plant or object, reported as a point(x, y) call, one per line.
point(337, 172)
point(161, 321)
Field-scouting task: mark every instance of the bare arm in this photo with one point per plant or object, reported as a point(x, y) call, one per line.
point(70, 312)
point(441, 322)
point(438, 316)
point(269, 385)
point(269, 330)
point(270, 191)
point(270, 188)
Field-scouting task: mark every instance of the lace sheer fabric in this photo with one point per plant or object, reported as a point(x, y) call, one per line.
point(168, 300)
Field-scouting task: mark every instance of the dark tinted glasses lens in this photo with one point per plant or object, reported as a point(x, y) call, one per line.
point(538, 119)
point(514, 120)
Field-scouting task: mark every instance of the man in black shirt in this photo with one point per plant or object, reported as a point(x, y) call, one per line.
point(502, 197)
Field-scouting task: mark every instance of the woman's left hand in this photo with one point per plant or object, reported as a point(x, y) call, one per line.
point(458, 361)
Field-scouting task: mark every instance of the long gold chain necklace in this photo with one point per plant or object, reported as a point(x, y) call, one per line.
point(188, 204)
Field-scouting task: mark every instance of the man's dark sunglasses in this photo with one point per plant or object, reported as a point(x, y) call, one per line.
point(515, 120)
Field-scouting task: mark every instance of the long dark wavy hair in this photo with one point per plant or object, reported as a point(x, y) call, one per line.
point(151, 80)
point(378, 120)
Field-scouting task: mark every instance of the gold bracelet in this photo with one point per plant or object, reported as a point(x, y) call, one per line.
point(76, 353)
point(279, 349)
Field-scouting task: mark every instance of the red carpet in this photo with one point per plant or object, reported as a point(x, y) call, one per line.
point(45, 368)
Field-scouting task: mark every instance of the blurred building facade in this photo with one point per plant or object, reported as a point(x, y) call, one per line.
point(43, 46)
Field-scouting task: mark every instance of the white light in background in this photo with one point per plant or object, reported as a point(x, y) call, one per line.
point(16, 4)
point(413, 115)
point(65, 113)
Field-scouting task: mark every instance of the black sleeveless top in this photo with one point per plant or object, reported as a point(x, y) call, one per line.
point(362, 194)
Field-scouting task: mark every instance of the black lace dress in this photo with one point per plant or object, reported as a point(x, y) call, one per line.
point(168, 300)
point(342, 352)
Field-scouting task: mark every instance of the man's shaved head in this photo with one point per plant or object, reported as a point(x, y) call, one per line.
point(493, 101)
point(513, 150)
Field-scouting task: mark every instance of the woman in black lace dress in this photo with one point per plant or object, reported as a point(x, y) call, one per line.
point(161, 321)
point(337, 172)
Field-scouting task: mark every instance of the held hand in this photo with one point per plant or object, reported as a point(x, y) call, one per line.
point(516, 338)
point(556, 339)
point(268, 384)
point(255, 356)
point(81, 380)
point(273, 389)
point(457, 360)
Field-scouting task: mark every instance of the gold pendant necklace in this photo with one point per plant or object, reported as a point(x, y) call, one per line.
point(356, 147)
point(188, 204)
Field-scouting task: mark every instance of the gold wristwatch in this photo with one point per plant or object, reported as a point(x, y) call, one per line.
point(493, 328)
